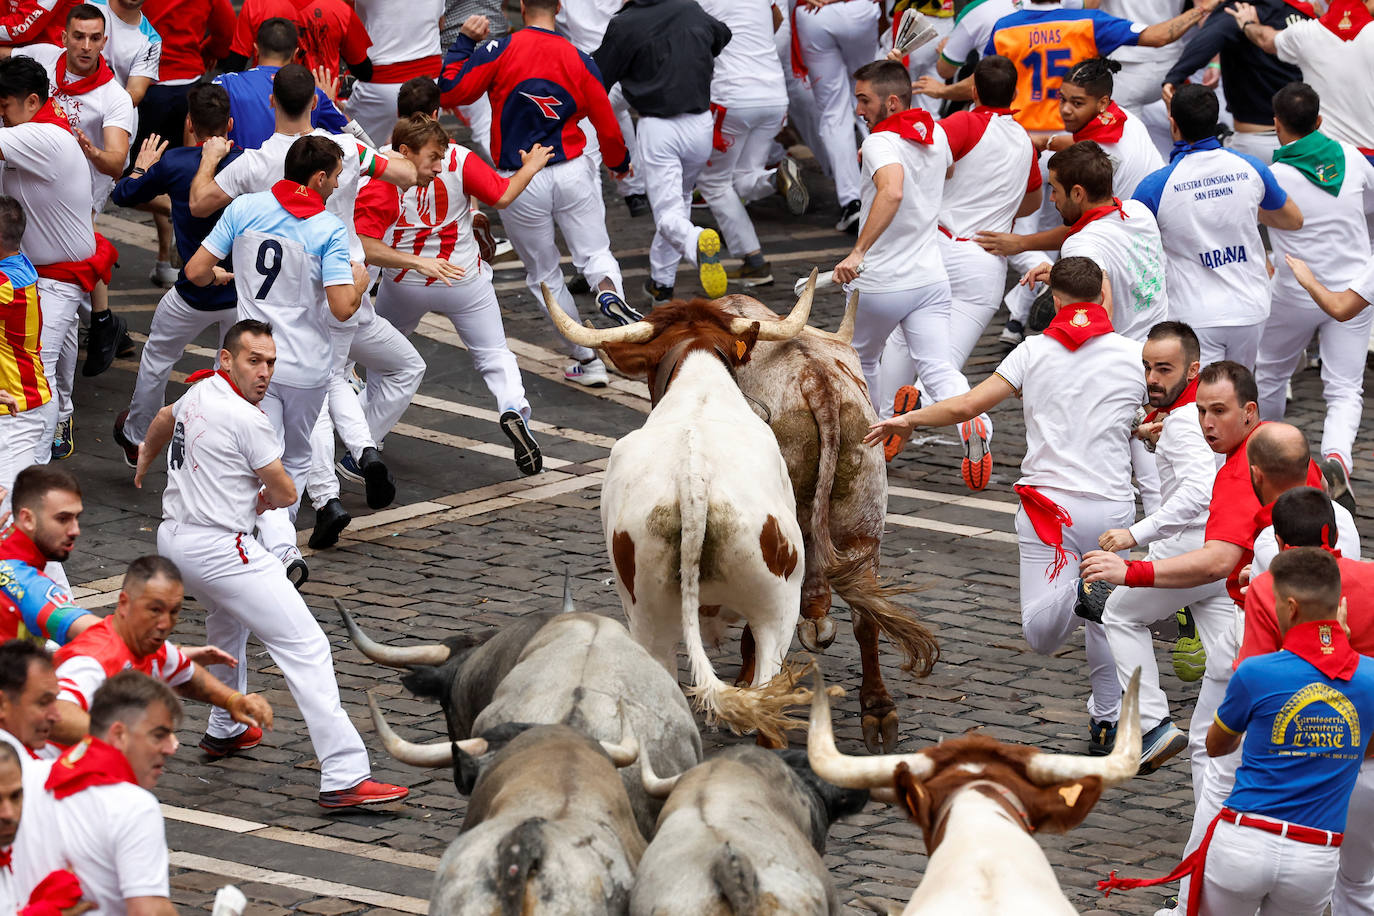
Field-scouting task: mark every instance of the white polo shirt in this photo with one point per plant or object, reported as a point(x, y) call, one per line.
point(994, 166)
point(973, 28)
point(1187, 467)
point(906, 255)
point(40, 160)
point(1079, 407)
point(1206, 202)
point(1128, 250)
point(1339, 71)
point(1334, 229)
point(747, 72)
point(132, 50)
point(1133, 156)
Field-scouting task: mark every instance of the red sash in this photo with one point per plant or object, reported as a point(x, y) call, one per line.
point(914, 124)
point(85, 765)
point(1105, 128)
point(84, 274)
point(719, 142)
point(1078, 323)
point(83, 84)
point(1048, 518)
point(298, 200)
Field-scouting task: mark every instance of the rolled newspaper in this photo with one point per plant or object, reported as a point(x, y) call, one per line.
point(229, 901)
point(912, 32)
point(822, 281)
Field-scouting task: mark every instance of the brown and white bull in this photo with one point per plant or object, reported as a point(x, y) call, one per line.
point(813, 394)
point(697, 505)
point(977, 802)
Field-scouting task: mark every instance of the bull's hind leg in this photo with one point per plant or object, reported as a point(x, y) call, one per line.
point(875, 703)
point(815, 629)
point(747, 651)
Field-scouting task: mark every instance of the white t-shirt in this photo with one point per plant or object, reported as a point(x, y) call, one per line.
point(973, 28)
point(1133, 157)
point(1364, 283)
point(1146, 12)
point(1347, 541)
point(107, 105)
point(1339, 72)
point(133, 50)
point(219, 443)
point(584, 22)
point(1187, 467)
point(401, 31)
point(1129, 251)
point(992, 176)
point(1079, 407)
point(747, 73)
point(1334, 229)
point(906, 255)
point(39, 162)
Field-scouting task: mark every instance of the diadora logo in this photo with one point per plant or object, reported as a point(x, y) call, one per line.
point(547, 104)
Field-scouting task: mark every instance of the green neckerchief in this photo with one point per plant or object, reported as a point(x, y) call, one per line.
point(1320, 159)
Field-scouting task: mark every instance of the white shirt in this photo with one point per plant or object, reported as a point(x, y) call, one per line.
point(990, 179)
point(973, 28)
point(133, 50)
point(401, 30)
point(1128, 251)
point(583, 22)
point(1133, 156)
point(107, 105)
point(1339, 72)
point(1334, 229)
point(219, 443)
point(1146, 12)
point(906, 255)
point(747, 73)
point(40, 160)
point(1364, 283)
point(1347, 542)
point(1079, 407)
point(1187, 467)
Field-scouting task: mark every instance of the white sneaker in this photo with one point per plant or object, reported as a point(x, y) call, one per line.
point(163, 275)
point(591, 373)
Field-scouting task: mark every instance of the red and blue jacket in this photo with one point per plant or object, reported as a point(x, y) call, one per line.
point(32, 606)
point(541, 87)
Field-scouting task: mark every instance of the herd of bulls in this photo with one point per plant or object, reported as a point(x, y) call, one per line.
point(574, 742)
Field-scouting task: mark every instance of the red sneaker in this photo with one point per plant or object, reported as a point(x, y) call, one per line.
point(223, 747)
point(977, 466)
point(367, 792)
point(907, 400)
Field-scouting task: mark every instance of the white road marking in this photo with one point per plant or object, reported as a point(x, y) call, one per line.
point(254, 875)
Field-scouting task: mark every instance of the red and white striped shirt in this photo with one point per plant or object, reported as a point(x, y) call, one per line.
point(84, 663)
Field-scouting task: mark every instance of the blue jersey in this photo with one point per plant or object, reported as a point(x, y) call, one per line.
point(1305, 738)
point(171, 175)
point(32, 606)
point(249, 95)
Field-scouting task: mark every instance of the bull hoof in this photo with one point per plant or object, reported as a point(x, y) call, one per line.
point(880, 734)
point(816, 635)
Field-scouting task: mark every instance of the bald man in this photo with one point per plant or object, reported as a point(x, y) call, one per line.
point(1279, 462)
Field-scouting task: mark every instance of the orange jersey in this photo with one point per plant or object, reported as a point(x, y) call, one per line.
point(1044, 45)
point(21, 321)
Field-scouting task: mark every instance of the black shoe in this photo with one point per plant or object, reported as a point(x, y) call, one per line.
point(126, 349)
point(377, 480)
point(527, 455)
point(1041, 312)
point(1338, 482)
point(1092, 598)
point(750, 275)
point(297, 573)
point(107, 329)
point(1158, 745)
point(1013, 333)
point(330, 520)
point(129, 446)
point(637, 204)
point(849, 218)
point(1101, 738)
point(658, 295)
point(64, 442)
point(578, 285)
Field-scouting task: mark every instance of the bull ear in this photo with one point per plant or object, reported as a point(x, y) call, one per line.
point(744, 344)
point(1063, 806)
point(628, 358)
point(466, 769)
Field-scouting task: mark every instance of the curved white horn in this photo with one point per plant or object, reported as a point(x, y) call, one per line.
point(655, 786)
point(845, 771)
point(788, 327)
point(627, 751)
point(568, 606)
point(421, 755)
point(391, 656)
point(1117, 767)
point(851, 308)
point(638, 332)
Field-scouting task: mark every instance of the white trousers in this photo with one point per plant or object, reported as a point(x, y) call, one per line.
point(373, 106)
point(293, 412)
point(836, 40)
point(244, 589)
point(61, 302)
point(566, 194)
point(1239, 343)
point(738, 175)
point(1047, 599)
point(976, 281)
point(1254, 873)
point(1218, 779)
point(673, 152)
point(1354, 895)
point(633, 183)
point(27, 441)
point(175, 325)
point(1343, 345)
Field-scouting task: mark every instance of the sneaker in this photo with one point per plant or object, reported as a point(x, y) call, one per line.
point(249, 738)
point(1333, 469)
point(1159, 744)
point(297, 573)
point(330, 521)
point(126, 348)
point(129, 446)
point(367, 792)
point(527, 456)
point(709, 269)
point(616, 308)
point(590, 372)
point(1091, 600)
point(348, 468)
point(107, 329)
point(637, 204)
point(788, 180)
point(698, 202)
point(658, 295)
point(1041, 312)
point(579, 286)
point(1190, 658)
point(377, 480)
point(163, 275)
point(481, 233)
point(849, 218)
point(1101, 738)
point(750, 275)
point(907, 400)
point(1013, 333)
point(64, 442)
point(977, 464)
point(355, 381)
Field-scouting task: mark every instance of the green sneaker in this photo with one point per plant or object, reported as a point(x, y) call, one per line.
point(1190, 658)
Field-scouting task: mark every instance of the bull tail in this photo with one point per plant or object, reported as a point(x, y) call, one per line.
point(822, 402)
point(736, 880)
point(519, 855)
point(855, 580)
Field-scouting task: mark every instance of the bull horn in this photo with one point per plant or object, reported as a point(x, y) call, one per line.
point(627, 751)
point(846, 332)
point(852, 772)
point(788, 327)
point(568, 606)
point(392, 656)
point(420, 755)
point(655, 786)
point(594, 338)
point(1117, 767)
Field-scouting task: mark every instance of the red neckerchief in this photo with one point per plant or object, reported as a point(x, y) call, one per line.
point(1189, 396)
point(1078, 323)
point(202, 374)
point(51, 114)
point(1096, 213)
point(914, 124)
point(87, 764)
point(1049, 519)
point(6, 857)
point(1302, 6)
point(18, 546)
point(83, 84)
point(297, 199)
point(1324, 646)
point(1105, 128)
point(1346, 18)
